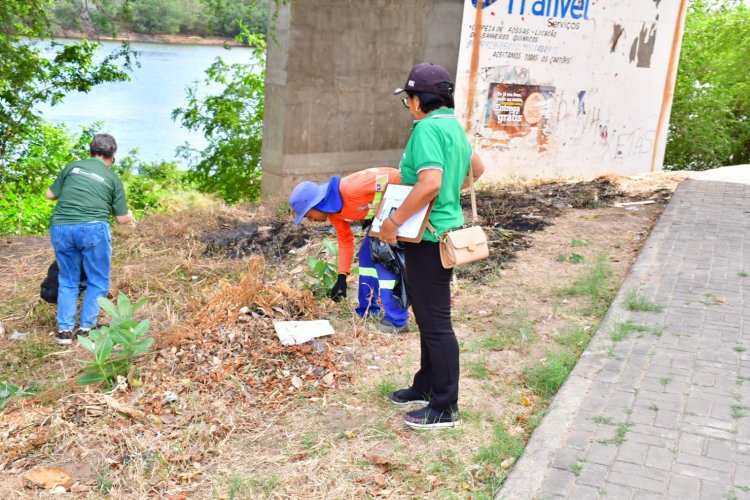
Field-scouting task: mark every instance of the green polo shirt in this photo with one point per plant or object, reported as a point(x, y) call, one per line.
point(438, 141)
point(87, 191)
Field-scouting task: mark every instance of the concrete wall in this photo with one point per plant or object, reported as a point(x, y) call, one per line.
point(329, 81)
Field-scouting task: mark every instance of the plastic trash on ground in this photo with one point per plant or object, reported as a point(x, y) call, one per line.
point(299, 332)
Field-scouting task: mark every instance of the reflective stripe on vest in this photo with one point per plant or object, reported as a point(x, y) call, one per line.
point(381, 182)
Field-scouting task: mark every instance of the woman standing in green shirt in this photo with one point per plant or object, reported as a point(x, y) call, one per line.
point(436, 161)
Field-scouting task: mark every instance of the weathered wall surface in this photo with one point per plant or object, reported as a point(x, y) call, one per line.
point(568, 87)
point(329, 107)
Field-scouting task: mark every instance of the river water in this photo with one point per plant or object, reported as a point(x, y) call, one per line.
point(138, 113)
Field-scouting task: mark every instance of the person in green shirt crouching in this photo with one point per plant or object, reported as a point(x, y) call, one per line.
point(88, 193)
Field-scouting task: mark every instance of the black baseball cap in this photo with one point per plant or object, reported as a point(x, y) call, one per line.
point(428, 77)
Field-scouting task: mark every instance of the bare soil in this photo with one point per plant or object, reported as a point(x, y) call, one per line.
point(222, 410)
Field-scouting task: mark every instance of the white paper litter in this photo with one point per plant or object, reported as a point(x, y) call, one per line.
point(299, 332)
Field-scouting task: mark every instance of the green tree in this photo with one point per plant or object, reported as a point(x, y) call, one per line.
point(29, 77)
point(31, 150)
point(232, 122)
point(710, 119)
point(193, 17)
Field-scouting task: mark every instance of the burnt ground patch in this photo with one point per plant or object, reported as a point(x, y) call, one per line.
point(272, 239)
point(508, 215)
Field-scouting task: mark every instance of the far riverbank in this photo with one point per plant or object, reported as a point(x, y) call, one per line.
point(150, 38)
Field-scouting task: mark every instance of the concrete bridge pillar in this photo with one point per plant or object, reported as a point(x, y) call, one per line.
point(330, 73)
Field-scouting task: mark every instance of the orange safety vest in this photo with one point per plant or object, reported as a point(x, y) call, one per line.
point(360, 194)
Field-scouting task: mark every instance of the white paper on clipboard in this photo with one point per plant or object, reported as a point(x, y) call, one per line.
point(394, 196)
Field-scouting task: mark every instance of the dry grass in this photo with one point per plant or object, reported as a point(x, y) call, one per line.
point(230, 438)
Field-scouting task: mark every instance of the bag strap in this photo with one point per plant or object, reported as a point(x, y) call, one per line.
point(474, 215)
point(432, 229)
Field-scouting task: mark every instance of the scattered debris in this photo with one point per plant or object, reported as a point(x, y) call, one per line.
point(299, 332)
point(632, 203)
point(19, 335)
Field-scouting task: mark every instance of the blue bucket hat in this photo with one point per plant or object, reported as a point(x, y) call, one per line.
point(305, 196)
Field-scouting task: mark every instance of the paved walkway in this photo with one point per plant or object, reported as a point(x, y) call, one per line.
point(663, 413)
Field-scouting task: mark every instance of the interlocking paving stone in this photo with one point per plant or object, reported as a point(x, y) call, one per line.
point(682, 397)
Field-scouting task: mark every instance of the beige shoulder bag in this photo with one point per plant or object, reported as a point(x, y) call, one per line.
point(464, 245)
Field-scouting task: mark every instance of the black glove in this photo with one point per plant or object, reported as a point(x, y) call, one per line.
point(339, 289)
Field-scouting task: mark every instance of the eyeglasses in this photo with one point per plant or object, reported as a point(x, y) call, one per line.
point(405, 102)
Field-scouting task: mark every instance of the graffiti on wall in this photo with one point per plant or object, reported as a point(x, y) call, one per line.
point(561, 85)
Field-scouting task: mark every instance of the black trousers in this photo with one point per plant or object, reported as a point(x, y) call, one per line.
point(429, 286)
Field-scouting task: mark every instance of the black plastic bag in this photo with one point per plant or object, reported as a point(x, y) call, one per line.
point(392, 258)
point(50, 284)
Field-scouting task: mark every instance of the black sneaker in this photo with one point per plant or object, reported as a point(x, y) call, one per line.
point(64, 337)
point(404, 397)
point(426, 418)
point(386, 326)
point(84, 332)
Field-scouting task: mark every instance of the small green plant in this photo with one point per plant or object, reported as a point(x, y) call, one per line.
point(323, 270)
point(502, 447)
point(546, 379)
point(595, 285)
point(115, 346)
point(665, 381)
point(7, 392)
point(653, 407)
point(238, 486)
point(575, 337)
point(624, 328)
point(738, 411)
point(601, 419)
point(742, 274)
point(620, 432)
point(385, 388)
point(573, 258)
point(739, 348)
point(634, 301)
point(581, 243)
point(576, 468)
point(104, 482)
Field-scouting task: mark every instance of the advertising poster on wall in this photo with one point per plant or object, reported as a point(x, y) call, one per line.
point(568, 87)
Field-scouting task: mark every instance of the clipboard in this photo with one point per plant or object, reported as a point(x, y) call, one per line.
point(413, 227)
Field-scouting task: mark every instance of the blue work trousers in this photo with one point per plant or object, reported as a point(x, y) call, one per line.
point(375, 280)
point(88, 245)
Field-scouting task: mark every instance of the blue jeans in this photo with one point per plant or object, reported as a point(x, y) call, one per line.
point(375, 280)
point(88, 245)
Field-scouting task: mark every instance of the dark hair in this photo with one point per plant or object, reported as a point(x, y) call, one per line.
point(103, 145)
point(429, 101)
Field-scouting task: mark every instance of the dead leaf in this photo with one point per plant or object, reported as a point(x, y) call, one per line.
point(383, 463)
point(507, 463)
point(182, 495)
point(123, 408)
point(380, 480)
point(81, 488)
point(47, 478)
